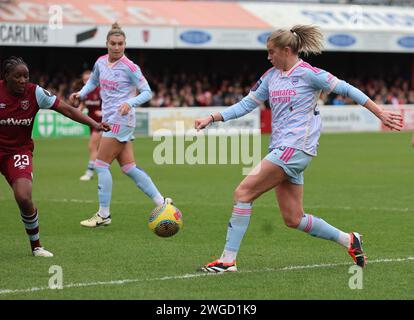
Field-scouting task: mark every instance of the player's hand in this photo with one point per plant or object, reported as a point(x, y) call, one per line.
point(392, 120)
point(103, 126)
point(74, 97)
point(202, 123)
point(124, 109)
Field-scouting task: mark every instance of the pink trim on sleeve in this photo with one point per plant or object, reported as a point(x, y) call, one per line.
point(129, 64)
point(267, 72)
point(105, 56)
point(308, 66)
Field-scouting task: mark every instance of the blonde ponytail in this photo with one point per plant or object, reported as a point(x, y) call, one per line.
point(115, 30)
point(300, 38)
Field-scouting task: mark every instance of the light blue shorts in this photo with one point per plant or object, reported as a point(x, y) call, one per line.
point(292, 161)
point(120, 132)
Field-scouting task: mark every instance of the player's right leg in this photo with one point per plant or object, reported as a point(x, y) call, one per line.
point(109, 149)
point(289, 196)
point(263, 178)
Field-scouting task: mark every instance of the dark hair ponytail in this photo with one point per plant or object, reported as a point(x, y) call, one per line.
point(10, 63)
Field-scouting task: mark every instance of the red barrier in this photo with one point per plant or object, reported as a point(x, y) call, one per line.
point(266, 120)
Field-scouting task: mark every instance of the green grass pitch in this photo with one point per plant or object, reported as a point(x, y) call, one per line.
point(358, 182)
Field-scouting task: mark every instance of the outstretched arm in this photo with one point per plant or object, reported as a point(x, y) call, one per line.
point(246, 105)
point(90, 85)
point(323, 80)
point(390, 119)
point(258, 94)
point(76, 115)
point(46, 100)
point(204, 122)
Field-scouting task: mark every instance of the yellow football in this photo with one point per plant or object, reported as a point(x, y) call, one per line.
point(165, 220)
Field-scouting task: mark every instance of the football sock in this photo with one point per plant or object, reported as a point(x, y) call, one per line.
point(318, 227)
point(91, 166)
point(103, 212)
point(228, 256)
point(344, 239)
point(143, 182)
point(236, 229)
point(104, 185)
point(31, 225)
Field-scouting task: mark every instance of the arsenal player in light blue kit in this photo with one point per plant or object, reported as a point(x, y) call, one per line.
point(292, 87)
point(122, 88)
point(19, 103)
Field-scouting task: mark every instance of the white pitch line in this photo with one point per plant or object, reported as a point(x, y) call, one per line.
point(198, 275)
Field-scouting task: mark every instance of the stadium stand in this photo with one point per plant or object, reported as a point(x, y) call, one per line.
point(192, 89)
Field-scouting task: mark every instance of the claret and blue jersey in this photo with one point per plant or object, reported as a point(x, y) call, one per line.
point(17, 114)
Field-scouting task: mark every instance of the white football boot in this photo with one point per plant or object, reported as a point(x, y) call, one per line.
point(96, 221)
point(168, 201)
point(41, 252)
point(87, 176)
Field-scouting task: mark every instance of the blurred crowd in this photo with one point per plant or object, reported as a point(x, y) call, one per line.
point(188, 90)
point(382, 90)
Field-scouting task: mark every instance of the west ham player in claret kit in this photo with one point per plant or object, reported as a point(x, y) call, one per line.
point(19, 103)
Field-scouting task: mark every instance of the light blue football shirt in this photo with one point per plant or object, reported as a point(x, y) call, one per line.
point(119, 83)
point(293, 97)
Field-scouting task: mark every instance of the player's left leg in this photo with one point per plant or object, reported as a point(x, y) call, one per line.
point(289, 196)
point(18, 170)
point(142, 180)
point(264, 177)
point(93, 145)
point(22, 188)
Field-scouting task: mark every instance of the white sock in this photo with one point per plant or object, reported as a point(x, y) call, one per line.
point(228, 256)
point(158, 200)
point(91, 165)
point(344, 239)
point(104, 212)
